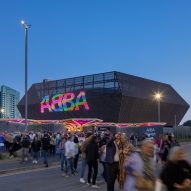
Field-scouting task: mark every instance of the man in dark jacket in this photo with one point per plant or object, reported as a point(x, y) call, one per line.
point(112, 162)
point(92, 156)
point(46, 147)
point(25, 143)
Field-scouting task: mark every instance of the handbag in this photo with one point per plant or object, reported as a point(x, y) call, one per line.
point(144, 184)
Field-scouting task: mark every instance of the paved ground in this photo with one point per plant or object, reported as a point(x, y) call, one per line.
point(43, 180)
point(25, 177)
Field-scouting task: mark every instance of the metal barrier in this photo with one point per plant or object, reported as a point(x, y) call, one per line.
point(181, 133)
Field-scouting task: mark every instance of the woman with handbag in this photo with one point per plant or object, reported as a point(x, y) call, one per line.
point(140, 169)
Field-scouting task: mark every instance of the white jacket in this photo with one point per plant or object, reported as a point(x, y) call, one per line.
point(69, 149)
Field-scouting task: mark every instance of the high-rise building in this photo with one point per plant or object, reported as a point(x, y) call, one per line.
point(9, 99)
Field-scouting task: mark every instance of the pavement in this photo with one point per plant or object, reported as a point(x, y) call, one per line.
point(14, 165)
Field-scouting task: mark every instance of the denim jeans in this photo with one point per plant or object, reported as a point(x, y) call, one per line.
point(83, 167)
point(70, 164)
point(35, 155)
point(45, 154)
point(25, 154)
point(63, 163)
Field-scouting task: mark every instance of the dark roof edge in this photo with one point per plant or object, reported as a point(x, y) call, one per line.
point(103, 73)
point(142, 78)
point(76, 77)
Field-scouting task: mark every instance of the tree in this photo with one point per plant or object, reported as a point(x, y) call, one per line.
point(187, 123)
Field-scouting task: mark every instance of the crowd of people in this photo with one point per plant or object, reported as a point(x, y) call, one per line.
point(134, 168)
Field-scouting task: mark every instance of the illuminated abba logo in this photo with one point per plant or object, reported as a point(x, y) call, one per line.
point(64, 102)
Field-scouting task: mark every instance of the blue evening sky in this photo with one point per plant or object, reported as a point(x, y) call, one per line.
point(68, 38)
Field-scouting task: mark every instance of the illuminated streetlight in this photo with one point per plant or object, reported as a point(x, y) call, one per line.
point(158, 97)
point(26, 27)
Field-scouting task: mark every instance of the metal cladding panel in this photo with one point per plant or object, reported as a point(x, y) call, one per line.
point(103, 104)
point(138, 104)
point(134, 86)
point(135, 110)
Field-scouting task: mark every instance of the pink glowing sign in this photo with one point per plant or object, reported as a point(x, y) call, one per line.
point(64, 102)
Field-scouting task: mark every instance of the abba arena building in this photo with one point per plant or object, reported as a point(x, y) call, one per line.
point(112, 97)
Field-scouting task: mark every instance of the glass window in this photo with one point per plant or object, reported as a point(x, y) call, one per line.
point(109, 85)
point(78, 87)
point(52, 84)
point(69, 89)
point(60, 90)
point(109, 76)
point(78, 80)
point(98, 85)
point(88, 79)
point(88, 86)
point(98, 77)
point(38, 86)
point(61, 83)
point(69, 81)
point(116, 85)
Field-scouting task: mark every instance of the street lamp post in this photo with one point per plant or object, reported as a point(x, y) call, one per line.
point(26, 27)
point(158, 97)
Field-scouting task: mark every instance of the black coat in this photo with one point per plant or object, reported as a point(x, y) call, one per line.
point(25, 142)
point(92, 153)
point(110, 152)
point(46, 143)
point(36, 146)
point(175, 172)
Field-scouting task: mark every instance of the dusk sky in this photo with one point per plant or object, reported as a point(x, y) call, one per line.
point(69, 38)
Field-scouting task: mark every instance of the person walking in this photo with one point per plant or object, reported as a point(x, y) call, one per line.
point(112, 162)
point(25, 143)
point(69, 154)
point(45, 148)
point(83, 156)
point(76, 152)
point(92, 156)
point(140, 169)
point(176, 174)
point(63, 157)
point(35, 146)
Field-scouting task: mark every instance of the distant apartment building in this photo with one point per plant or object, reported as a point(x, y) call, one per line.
point(9, 99)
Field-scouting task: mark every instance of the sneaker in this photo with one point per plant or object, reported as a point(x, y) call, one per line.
point(95, 186)
point(11, 157)
point(36, 161)
point(88, 184)
point(82, 180)
point(63, 174)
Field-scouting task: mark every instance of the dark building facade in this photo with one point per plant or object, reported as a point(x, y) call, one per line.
point(111, 96)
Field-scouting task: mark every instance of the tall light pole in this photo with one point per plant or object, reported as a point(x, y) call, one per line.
point(26, 27)
point(158, 97)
